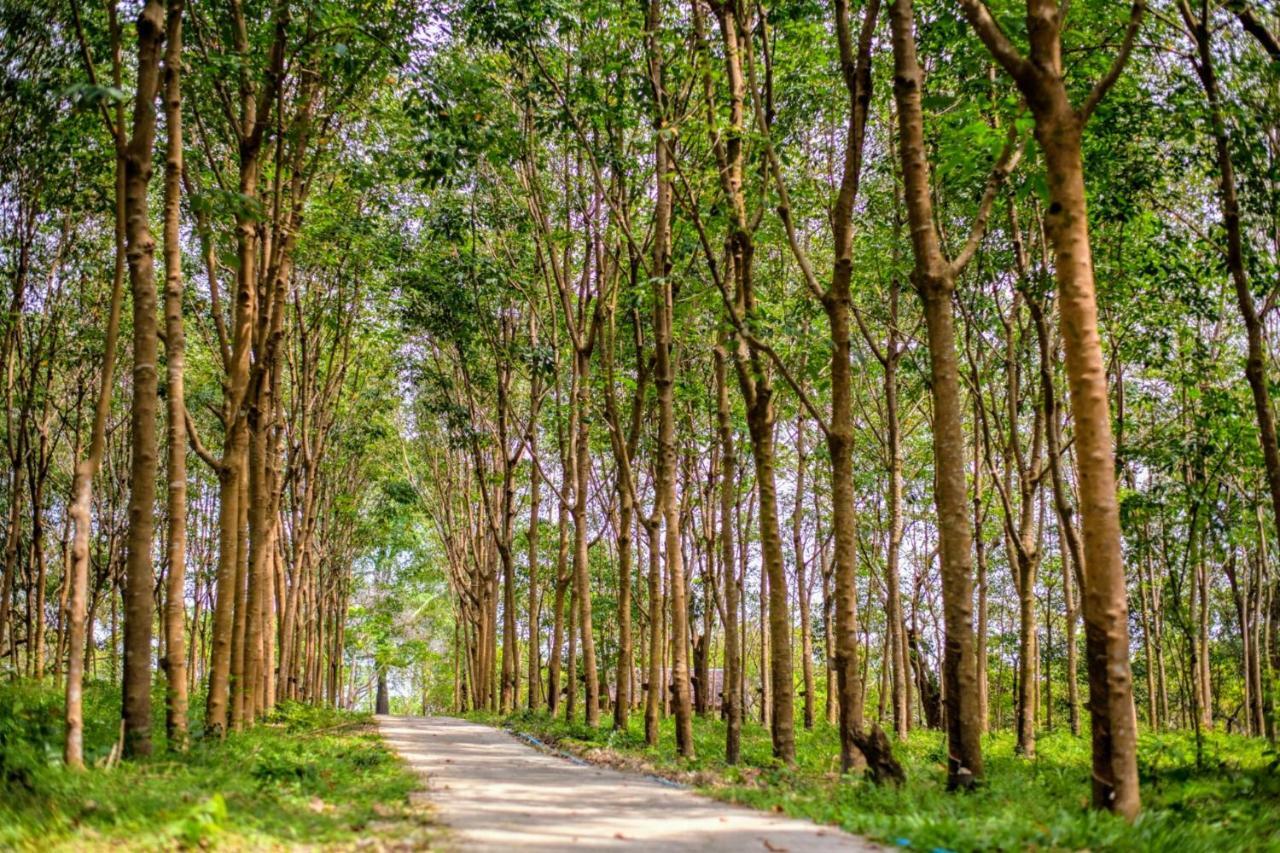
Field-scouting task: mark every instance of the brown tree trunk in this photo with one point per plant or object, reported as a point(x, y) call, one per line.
point(980, 560)
point(729, 562)
point(142, 476)
point(557, 627)
point(934, 279)
point(1059, 126)
point(624, 448)
point(760, 422)
point(664, 381)
point(175, 614)
point(80, 509)
point(240, 608)
point(535, 505)
point(896, 626)
point(581, 564)
point(802, 585)
point(1072, 554)
point(1115, 775)
point(657, 638)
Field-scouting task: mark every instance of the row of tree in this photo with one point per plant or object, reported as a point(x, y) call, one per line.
point(286, 385)
point(670, 286)
point(722, 357)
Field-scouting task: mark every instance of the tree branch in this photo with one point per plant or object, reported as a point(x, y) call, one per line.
point(1101, 88)
point(1009, 159)
point(1004, 51)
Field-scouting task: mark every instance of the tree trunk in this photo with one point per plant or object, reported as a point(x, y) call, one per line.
point(80, 510)
point(664, 381)
point(896, 626)
point(728, 556)
point(934, 280)
point(802, 585)
point(175, 613)
point(1115, 776)
point(657, 640)
point(382, 704)
point(142, 475)
point(622, 695)
point(535, 505)
point(581, 567)
point(760, 422)
point(557, 628)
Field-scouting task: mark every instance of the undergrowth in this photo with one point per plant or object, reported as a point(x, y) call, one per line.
point(1232, 802)
point(306, 775)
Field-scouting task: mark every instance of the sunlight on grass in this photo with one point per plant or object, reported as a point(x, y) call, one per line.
point(1232, 803)
point(306, 775)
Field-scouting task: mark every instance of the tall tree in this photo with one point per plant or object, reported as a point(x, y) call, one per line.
point(140, 251)
point(175, 613)
point(1060, 124)
point(934, 277)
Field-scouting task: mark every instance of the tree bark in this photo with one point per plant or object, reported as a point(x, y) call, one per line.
point(729, 562)
point(1058, 129)
point(142, 475)
point(935, 282)
point(175, 666)
point(664, 376)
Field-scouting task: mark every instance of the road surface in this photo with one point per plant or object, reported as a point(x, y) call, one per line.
point(492, 791)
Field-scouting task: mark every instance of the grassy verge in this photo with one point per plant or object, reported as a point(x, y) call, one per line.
point(307, 775)
point(1231, 803)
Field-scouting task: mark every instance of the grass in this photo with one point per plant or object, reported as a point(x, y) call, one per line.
point(306, 775)
point(1231, 803)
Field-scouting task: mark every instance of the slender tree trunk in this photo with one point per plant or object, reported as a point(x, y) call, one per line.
point(557, 628)
point(535, 602)
point(657, 640)
point(240, 605)
point(175, 614)
point(581, 566)
point(1072, 554)
point(728, 558)
point(802, 586)
point(664, 381)
point(896, 628)
point(142, 476)
point(1115, 775)
point(1058, 129)
point(934, 280)
point(760, 422)
point(80, 511)
point(980, 558)
point(622, 695)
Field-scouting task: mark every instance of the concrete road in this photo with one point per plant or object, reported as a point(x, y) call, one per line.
point(494, 792)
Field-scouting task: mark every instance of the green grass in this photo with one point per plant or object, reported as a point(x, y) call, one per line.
point(307, 775)
point(1232, 803)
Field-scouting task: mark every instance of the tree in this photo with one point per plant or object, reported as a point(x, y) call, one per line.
point(1059, 125)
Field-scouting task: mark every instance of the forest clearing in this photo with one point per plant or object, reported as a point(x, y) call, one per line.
point(676, 424)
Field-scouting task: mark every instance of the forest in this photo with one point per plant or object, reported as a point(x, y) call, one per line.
point(858, 409)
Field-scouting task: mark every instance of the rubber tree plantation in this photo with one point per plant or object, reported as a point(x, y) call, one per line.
point(861, 409)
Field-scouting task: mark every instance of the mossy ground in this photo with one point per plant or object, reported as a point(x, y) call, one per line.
point(1232, 802)
point(306, 776)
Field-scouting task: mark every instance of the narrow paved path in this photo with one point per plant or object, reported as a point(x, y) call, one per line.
point(494, 792)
